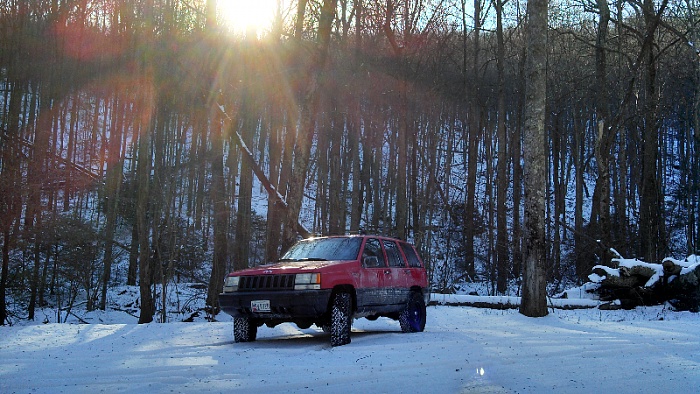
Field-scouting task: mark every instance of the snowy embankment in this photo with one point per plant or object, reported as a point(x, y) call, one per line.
point(463, 349)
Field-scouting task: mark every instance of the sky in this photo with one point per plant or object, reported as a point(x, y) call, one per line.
point(463, 350)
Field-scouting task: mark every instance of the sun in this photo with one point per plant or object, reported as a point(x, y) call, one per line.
point(241, 16)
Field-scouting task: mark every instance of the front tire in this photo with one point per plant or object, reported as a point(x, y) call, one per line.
point(341, 319)
point(412, 317)
point(244, 329)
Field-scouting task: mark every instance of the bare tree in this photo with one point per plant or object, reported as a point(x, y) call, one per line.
point(473, 132)
point(534, 295)
point(651, 209)
point(112, 187)
point(307, 123)
point(146, 128)
point(502, 255)
point(605, 137)
point(143, 176)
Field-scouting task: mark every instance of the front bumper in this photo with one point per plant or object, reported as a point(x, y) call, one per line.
point(284, 305)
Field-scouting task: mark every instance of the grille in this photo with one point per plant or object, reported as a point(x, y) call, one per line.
point(266, 282)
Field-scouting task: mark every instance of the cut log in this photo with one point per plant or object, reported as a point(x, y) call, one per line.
point(670, 268)
point(640, 271)
point(629, 286)
point(684, 291)
point(626, 282)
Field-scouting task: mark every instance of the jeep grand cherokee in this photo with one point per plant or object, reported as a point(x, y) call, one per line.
point(329, 281)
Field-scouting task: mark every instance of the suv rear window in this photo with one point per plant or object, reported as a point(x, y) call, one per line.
point(411, 256)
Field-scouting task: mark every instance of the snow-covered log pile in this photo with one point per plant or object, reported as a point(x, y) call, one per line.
point(633, 283)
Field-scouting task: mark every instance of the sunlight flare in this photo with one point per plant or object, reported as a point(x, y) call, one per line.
point(241, 16)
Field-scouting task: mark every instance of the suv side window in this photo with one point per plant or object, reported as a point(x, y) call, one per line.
point(411, 255)
point(372, 256)
point(393, 254)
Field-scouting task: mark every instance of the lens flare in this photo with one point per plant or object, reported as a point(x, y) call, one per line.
point(242, 16)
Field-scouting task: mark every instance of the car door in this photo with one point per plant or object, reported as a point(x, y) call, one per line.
point(372, 275)
point(396, 281)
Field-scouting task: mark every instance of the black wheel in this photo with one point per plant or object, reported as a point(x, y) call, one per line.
point(412, 317)
point(341, 319)
point(244, 329)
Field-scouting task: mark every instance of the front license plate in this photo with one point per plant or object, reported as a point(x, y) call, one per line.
point(260, 306)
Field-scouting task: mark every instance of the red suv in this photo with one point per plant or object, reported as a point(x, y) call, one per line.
point(329, 281)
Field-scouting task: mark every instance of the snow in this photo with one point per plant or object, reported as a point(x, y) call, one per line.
point(463, 349)
point(608, 270)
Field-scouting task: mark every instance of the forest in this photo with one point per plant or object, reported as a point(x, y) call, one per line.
point(148, 142)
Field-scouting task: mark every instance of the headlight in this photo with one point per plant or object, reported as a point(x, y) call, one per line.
point(231, 284)
point(307, 282)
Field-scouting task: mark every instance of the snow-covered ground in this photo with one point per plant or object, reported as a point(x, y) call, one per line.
point(463, 349)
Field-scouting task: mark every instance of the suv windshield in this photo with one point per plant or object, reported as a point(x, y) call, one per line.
point(336, 248)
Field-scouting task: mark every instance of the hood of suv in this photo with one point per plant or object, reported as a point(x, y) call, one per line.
point(291, 267)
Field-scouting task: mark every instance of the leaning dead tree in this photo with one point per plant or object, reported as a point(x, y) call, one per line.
point(272, 191)
point(630, 283)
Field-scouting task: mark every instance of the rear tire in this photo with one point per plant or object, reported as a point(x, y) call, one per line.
point(341, 319)
point(244, 329)
point(412, 317)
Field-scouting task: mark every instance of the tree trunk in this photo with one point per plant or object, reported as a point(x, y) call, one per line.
point(650, 202)
point(402, 164)
point(4, 273)
point(336, 189)
point(415, 197)
point(320, 225)
point(200, 180)
point(36, 174)
point(308, 104)
point(132, 271)
point(517, 170)
point(373, 162)
point(354, 131)
point(218, 193)
point(502, 255)
point(474, 130)
point(356, 197)
point(221, 217)
point(600, 214)
point(143, 179)
point(402, 128)
point(489, 203)
point(299, 23)
point(558, 142)
point(10, 200)
point(274, 211)
point(112, 187)
point(241, 244)
point(694, 215)
point(534, 294)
